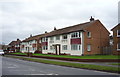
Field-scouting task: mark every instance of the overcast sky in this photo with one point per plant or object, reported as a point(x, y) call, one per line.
point(20, 18)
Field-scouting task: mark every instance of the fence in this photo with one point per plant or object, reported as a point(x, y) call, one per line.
point(107, 50)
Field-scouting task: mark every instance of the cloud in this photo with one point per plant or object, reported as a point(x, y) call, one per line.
point(20, 18)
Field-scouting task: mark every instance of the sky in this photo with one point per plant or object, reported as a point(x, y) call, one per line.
point(20, 18)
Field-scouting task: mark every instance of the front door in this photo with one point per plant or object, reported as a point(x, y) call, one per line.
point(57, 49)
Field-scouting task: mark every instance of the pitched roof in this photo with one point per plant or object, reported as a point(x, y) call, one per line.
point(15, 42)
point(69, 29)
point(115, 27)
point(32, 38)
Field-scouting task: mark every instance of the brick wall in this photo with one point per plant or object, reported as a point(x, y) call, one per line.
point(115, 40)
point(99, 38)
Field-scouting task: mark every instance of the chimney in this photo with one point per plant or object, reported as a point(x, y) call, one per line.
point(30, 35)
point(17, 39)
point(55, 28)
point(45, 31)
point(91, 19)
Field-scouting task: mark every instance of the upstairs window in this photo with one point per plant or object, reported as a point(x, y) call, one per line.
point(118, 33)
point(57, 37)
point(75, 35)
point(64, 36)
point(88, 34)
point(51, 38)
point(45, 39)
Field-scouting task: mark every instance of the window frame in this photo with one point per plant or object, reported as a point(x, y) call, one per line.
point(118, 48)
point(45, 47)
point(89, 47)
point(118, 33)
point(65, 35)
point(58, 36)
point(51, 38)
point(75, 47)
point(89, 34)
point(76, 35)
point(64, 47)
point(44, 39)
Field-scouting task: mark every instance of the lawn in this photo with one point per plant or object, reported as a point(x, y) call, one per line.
point(77, 57)
point(82, 57)
point(76, 65)
point(18, 53)
point(115, 64)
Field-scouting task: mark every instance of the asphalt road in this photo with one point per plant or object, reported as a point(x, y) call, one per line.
point(12, 66)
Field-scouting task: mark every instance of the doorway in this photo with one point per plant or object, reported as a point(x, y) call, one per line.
point(57, 49)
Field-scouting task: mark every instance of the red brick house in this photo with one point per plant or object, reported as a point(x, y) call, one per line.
point(14, 46)
point(82, 39)
point(116, 39)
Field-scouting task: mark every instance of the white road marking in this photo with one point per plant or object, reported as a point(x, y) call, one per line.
point(42, 74)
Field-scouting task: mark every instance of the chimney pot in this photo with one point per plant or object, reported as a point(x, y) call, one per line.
point(91, 19)
point(55, 28)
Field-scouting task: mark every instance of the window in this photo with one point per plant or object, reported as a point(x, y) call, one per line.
point(75, 47)
point(26, 48)
point(33, 48)
point(88, 47)
point(51, 47)
point(118, 33)
point(45, 39)
point(88, 34)
point(75, 35)
point(45, 47)
point(51, 38)
point(64, 36)
point(118, 46)
point(64, 47)
point(57, 37)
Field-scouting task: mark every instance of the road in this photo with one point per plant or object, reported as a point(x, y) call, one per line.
point(12, 66)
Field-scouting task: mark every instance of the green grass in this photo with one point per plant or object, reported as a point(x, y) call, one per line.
point(82, 57)
point(115, 64)
point(77, 57)
point(76, 65)
point(18, 53)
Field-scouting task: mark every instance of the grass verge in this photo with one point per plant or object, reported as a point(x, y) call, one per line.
point(76, 57)
point(115, 64)
point(75, 65)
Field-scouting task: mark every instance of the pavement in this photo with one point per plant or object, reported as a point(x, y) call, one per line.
point(11, 66)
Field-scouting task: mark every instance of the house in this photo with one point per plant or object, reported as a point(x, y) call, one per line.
point(14, 46)
point(82, 39)
point(31, 44)
point(116, 39)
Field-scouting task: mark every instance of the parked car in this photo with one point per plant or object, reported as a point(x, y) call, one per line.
point(1, 52)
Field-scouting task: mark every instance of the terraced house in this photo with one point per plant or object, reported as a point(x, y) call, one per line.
point(116, 39)
point(31, 45)
point(14, 46)
point(82, 39)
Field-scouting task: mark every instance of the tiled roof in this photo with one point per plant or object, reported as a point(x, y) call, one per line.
point(15, 42)
point(115, 27)
point(69, 29)
point(33, 38)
